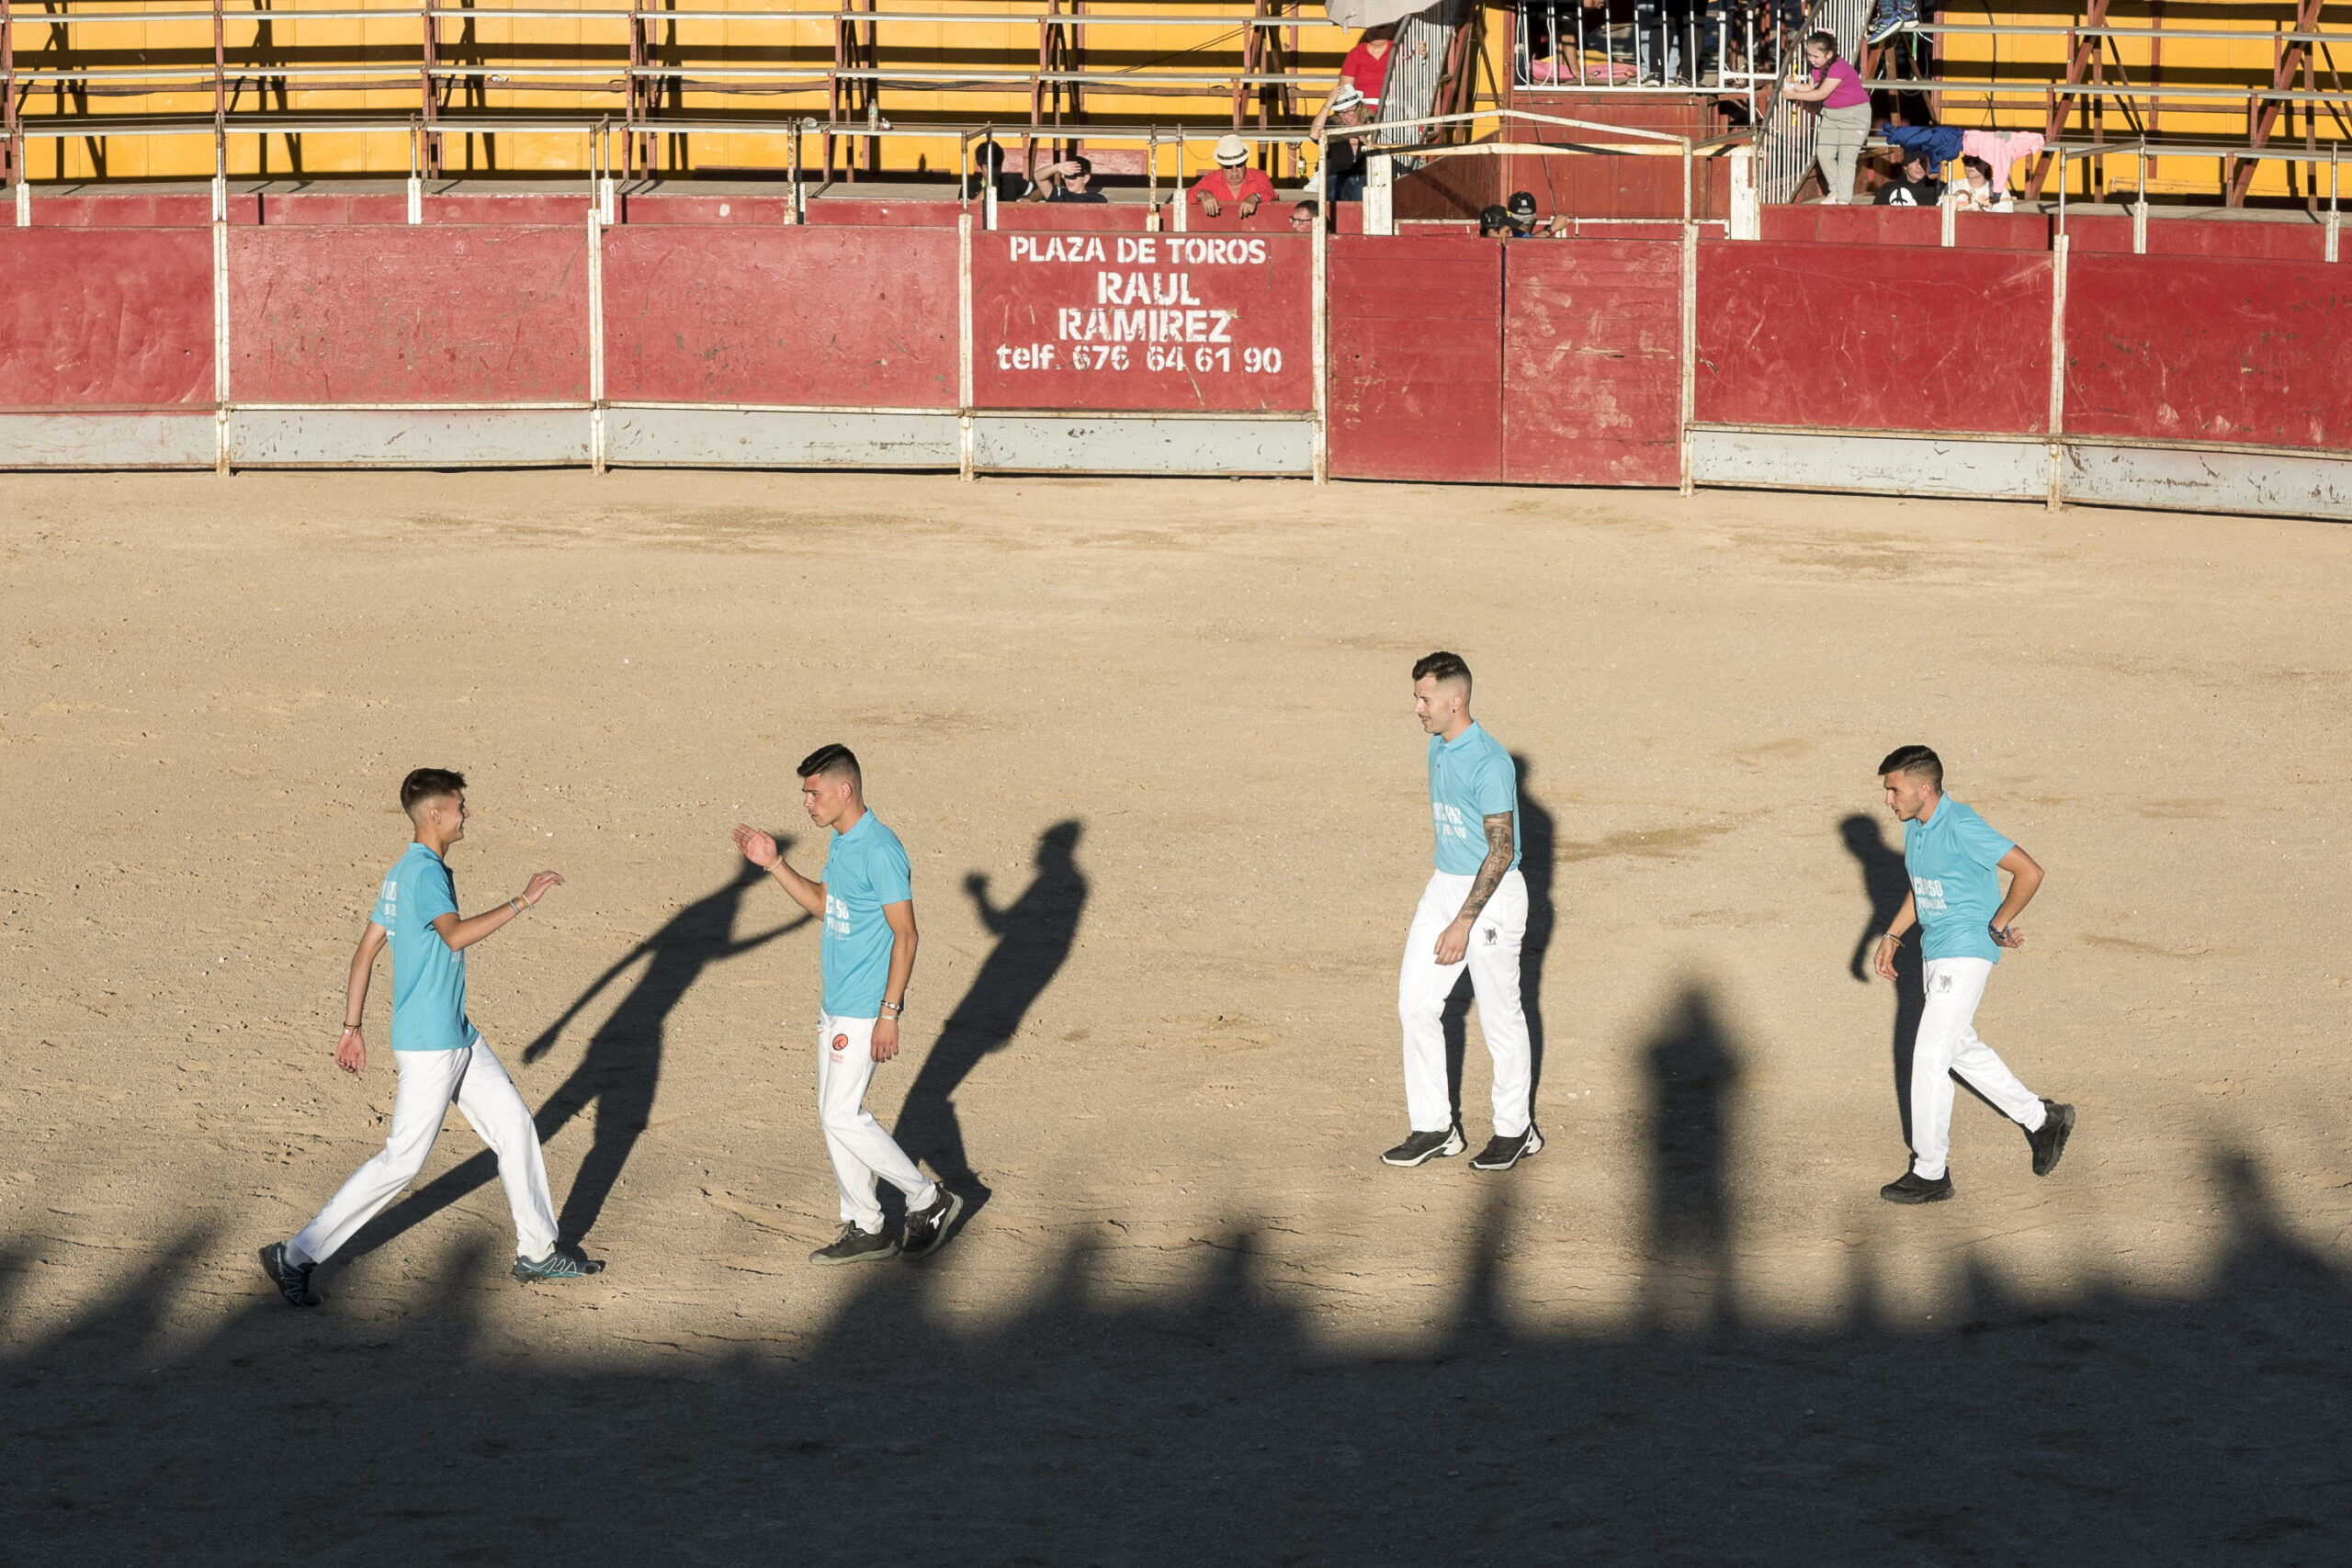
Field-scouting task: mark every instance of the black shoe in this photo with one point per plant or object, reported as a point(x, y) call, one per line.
point(1913, 1188)
point(292, 1279)
point(1501, 1152)
point(1423, 1147)
point(2049, 1139)
point(854, 1245)
point(928, 1231)
point(557, 1268)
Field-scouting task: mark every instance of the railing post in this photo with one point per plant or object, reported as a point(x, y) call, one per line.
point(220, 341)
point(2335, 218)
point(1688, 398)
point(1950, 204)
point(2058, 363)
point(1325, 214)
point(964, 341)
point(1746, 207)
point(595, 340)
point(415, 173)
point(2140, 207)
point(1379, 195)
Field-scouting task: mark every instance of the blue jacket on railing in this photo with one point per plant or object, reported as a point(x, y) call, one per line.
point(1939, 142)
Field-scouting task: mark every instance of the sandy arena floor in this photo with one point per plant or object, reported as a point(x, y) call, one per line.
point(1150, 746)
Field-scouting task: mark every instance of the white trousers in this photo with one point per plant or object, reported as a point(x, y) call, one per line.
point(430, 1082)
point(1947, 1043)
point(1423, 984)
point(861, 1150)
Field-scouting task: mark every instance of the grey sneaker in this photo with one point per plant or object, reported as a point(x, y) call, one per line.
point(928, 1231)
point(854, 1245)
point(292, 1279)
point(1501, 1152)
point(2049, 1140)
point(1423, 1147)
point(557, 1266)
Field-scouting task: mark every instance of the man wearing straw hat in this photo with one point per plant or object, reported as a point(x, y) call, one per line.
point(1233, 180)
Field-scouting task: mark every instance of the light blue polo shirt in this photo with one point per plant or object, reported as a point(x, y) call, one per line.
point(866, 868)
point(1471, 779)
point(428, 979)
point(1950, 857)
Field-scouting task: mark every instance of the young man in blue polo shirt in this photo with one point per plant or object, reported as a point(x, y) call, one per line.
point(441, 1058)
point(1473, 914)
point(866, 902)
point(1951, 856)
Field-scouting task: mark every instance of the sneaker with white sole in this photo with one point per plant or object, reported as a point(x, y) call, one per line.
point(928, 1229)
point(2049, 1140)
point(854, 1245)
point(1423, 1147)
point(557, 1268)
point(1501, 1152)
point(292, 1278)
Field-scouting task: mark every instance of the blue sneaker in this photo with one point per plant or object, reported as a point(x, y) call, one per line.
point(557, 1266)
point(1892, 20)
point(292, 1279)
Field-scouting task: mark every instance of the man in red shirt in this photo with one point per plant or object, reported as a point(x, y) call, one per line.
point(1233, 180)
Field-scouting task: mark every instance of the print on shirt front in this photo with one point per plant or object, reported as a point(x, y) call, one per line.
point(865, 869)
point(1471, 779)
point(1951, 859)
point(428, 978)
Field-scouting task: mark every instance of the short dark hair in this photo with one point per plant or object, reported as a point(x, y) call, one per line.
point(1443, 665)
point(1085, 165)
point(1920, 762)
point(430, 784)
point(833, 759)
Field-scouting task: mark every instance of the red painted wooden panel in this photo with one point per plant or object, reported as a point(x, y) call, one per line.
point(132, 209)
point(495, 314)
point(110, 318)
point(1875, 337)
point(1908, 226)
point(2268, 236)
point(844, 317)
point(1416, 358)
point(316, 208)
point(2195, 349)
point(1132, 321)
point(1591, 362)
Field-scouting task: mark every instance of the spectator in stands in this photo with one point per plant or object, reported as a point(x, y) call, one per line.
point(1494, 223)
point(1303, 217)
point(1834, 87)
point(1977, 192)
point(1071, 180)
point(1914, 184)
point(1343, 178)
point(1233, 180)
point(988, 167)
point(1520, 213)
point(1365, 69)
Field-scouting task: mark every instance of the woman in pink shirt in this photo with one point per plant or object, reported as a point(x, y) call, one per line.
point(1836, 87)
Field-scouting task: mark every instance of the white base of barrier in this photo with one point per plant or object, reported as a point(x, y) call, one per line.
point(1140, 444)
point(2270, 483)
point(683, 438)
point(407, 438)
point(110, 440)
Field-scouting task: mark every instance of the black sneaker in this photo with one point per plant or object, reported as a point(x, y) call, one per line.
point(2049, 1139)
point(292, 1279)
point(854, 1245)
point(1423, 1147)
point(1501, 1152)
point(927, 1230)
point(1913, 1188)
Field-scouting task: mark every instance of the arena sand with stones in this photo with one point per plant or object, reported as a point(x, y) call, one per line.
point(1152, 748)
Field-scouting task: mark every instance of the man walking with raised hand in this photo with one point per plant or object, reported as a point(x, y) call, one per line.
point(1473, 913)
point(866, 902)
point(1952, 855)
point(440, 1058)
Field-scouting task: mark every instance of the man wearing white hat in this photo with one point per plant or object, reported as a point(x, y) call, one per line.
point(1233, 180)
point(1343, 178)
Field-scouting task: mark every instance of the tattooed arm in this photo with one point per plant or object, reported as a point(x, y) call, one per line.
point(1454, 941)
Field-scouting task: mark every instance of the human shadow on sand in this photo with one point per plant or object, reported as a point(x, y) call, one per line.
point(1034, 936)
point(620, 1072)
point(1136, 1403)
point(1885, 884)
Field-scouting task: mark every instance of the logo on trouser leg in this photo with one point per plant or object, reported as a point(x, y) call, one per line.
point(841, 1042)
point(1492, 932)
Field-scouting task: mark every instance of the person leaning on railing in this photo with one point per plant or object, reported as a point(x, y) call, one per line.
point(1342, 177)
point(1072, 179)
point(1233, 180)
point(1834, 87)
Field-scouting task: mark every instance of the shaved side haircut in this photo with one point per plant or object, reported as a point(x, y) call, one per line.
point(833, 761)
point(430, 784)
point(1920, 762)
point(1447, 667)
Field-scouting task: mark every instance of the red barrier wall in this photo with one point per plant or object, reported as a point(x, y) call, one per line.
point(409, 315)
point(2192, 349)
point(1875, 338)
point(1908, 226)
point(840, 316)
point(119, 319)
point(1591, 362)
point(1416, 390)
point(2264, 237)
point(1120, 321)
